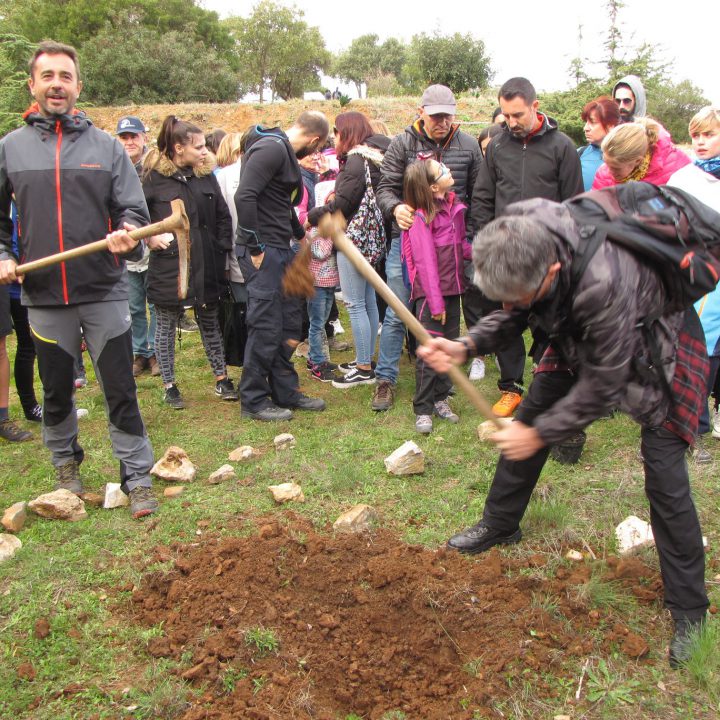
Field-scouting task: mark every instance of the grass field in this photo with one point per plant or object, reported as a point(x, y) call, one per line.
point(78, 576)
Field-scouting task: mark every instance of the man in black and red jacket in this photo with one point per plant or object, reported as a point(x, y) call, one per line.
point(72, 184)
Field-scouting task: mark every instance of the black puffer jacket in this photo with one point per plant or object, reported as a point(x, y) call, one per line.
point(350, 183)
point(545, 165)
point(459, 151)
point(210, 233)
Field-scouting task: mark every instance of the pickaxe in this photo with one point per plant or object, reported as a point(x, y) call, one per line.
point(176, 223)
point(333, 226)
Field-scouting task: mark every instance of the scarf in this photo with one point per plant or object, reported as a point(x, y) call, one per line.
point(640, 171)
point(711, 165)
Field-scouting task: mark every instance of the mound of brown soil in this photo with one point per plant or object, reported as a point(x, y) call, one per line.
point(367, 625)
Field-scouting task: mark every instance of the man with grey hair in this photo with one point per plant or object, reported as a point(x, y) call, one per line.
point(598, 358)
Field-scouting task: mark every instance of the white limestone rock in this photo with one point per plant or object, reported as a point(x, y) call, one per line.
point(9, 545)
point(222, 474)
point(14, 517)
point(173, 491)
point(59, 505)
point(633, 533)
point(408, 459)
point(284, 441)
point(488, 428)
point(243, 453)
point(356, 520)
point(114, 497)
point(287, 492)
point(175, 466)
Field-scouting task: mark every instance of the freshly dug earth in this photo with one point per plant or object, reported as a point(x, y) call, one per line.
point(367, 624)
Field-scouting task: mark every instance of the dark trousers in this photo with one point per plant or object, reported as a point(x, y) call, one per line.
point(272, 319)
point(431, 386)
point(24, 368)
point(511, 358)
point(673, 518)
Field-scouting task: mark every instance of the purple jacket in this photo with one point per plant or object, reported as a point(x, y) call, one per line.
point(434, 254)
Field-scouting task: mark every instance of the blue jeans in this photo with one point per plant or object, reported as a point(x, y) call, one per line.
point(319, 307)
point(393, 330)
point(361, 304)
point(143, 336)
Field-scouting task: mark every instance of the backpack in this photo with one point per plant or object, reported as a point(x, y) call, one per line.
point(671, 230)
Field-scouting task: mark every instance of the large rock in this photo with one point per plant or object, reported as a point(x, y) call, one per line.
point(242, 453)
point(114, 497)
point(408, 459)
point(59, 505)
point(222, 474)
point(14, 517)
point(287, 492)
point(9, 545)
point(633, 533)
point(284, 441)
point(488, 428)
point(175, 466)
point(356, 520)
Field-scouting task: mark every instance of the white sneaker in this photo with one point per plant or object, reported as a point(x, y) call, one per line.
point(477, 369)
point(339, 329)
point(716, 424)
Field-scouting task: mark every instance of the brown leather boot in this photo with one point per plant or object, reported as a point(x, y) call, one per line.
point(140, 364)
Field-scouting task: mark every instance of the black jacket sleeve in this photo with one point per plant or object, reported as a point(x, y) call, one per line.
point(389, 192)
point(570, 175)
point(482, 207)
point(349, 191)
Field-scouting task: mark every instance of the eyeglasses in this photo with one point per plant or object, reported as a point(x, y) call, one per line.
point(443, 171)
point(624, 101)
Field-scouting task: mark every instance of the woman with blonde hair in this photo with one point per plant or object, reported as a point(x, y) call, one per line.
point(640, 150)
point(229, 149)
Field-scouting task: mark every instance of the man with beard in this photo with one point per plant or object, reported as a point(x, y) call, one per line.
point(530, 159)
point(629, 94)
point(71, 182)
point(270, 186)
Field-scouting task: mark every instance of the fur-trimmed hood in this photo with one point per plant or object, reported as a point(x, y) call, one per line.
point(161, 163)
point(368, 153)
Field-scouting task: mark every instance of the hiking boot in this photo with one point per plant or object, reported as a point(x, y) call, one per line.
point(477, 369)
point(154, 366)
point(12, 433)
point(303, 402)
point(187, 324)
point(173, 398)
point(67, 477)
point(423, 424)
point(355, 377)
point(698, 454)
point(682, 640)
point(384, 396)
point(507, 403)
point(443, 410)
point(338, 345)
point(480, 538)
point(34, 414)
point(323, 372)
point(140, 364)
point(270, 413)
point(142, 502)
point(225, 389)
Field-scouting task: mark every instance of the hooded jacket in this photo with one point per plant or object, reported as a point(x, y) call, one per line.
point(210, 232)
point(543, 165)
point(637, 89)
point(458, 151)
point(595, 329)
point(72, 183)
point(666, 159)
point(350, 182)
point(270, 187)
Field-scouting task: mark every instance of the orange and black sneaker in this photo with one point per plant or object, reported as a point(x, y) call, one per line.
point(507, 403)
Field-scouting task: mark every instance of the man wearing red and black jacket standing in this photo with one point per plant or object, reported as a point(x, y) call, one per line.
point(72, 184)
point(270, 188)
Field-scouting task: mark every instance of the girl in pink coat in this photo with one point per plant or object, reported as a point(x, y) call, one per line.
point(433, 250)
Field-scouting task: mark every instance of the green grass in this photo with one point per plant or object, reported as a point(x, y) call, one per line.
point(77, 574)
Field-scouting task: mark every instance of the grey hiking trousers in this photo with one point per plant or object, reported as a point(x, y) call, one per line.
point(106, 328)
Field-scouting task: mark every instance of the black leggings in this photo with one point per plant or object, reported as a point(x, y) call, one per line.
point(24, 356)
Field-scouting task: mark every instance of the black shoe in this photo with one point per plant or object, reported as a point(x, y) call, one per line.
point(480, 538)
point(173, 398)
point(304, 402)
point(34, 414)
point(324, 363)
point(353, 378)
point(681, 644)
point(12, 433)
point(324, 372)
point(270, 413)
point(225, 389)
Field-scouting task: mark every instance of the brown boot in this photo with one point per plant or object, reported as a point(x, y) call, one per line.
point(140, 364)
point(154, 366)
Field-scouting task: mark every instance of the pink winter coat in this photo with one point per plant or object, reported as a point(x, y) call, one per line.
point(666, 159)
point(434, 254)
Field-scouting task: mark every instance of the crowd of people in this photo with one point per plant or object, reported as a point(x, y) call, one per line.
point(460, 227)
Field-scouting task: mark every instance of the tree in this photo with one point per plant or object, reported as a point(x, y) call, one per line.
point(458, 61)
point(674, 105)
point(14, 53)
point(359, 62)
point(116, 70)
point(274, 48)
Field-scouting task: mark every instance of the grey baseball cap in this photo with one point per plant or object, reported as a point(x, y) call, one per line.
point(438, 99)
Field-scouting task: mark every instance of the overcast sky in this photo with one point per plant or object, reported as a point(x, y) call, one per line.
point(526, 37)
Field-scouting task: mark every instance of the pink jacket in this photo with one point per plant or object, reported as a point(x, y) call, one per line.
point(666, 159)
point(434, 254)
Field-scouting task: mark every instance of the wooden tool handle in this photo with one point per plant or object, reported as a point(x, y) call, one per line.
point(458, 377)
